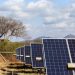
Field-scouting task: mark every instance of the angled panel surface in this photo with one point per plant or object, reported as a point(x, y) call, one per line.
point(37, 55)
point(57, 57)
point(27, 55)
point(22, 54)
point(18, 53)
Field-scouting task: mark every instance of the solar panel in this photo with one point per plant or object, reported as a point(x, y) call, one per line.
point(57, 57)
point(37, 55)
point(27, 55)
point(22, 54)
point(18, 53)
point(71, 43)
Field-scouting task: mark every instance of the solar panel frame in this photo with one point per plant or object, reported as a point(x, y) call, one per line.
point(44, 51)
point(32, 53)
point(71, 43)
point(44, 56)
point(71, 59)
point(69, 50)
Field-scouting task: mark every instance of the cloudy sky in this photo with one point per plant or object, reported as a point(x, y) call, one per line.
point(54, 18)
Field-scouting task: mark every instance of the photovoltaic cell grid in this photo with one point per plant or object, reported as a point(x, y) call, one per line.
point(57, 57)
point(37, 55)
point(18, 53)
point(71, 43)
point(22, 54)
point(27, 55)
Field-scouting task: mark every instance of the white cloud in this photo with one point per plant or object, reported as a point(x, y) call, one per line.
point(41, 8)
point(22, 14)
point(28, 27)
point(14, 8)
point(61, 25)
point(13, 4)
point(48, 12)
point(40, 4)
point(63, 18)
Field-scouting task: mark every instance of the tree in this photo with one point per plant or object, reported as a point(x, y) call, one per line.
point(11, 27)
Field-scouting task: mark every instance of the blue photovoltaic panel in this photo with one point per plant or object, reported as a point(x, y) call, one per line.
point(18, 53)
point(37, 55)
point(22, 54)
point(27, 55)
point(71, 43)
point(57, 57)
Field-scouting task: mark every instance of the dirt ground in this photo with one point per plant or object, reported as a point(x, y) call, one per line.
point(3, 64)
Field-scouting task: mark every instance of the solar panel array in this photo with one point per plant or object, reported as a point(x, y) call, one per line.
point(52, 54)
point(24, 54)
point(37, 55)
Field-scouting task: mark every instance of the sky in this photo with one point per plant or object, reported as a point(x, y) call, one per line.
point(49, 18)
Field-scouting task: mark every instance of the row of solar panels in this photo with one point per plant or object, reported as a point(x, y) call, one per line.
point(53, 54)
point(31, 55)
